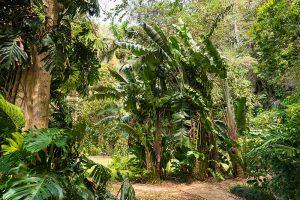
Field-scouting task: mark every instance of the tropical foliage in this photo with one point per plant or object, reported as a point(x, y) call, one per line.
point(218, 98)
point(168, 109)
point(46, 163)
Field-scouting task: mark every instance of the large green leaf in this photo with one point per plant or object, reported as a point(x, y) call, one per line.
point(158, 37)
point(134, 48)
point(10, 52)
point(9, 161)
point(34, 188)
point(54, 60)
point(240, 115)
point(217, 64)
point(39, 139)
point(117, 75)
point(127, 191)
point(100, 174)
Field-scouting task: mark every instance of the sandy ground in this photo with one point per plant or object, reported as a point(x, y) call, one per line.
point(104, 160)
point(193, 191)
point(208, 190)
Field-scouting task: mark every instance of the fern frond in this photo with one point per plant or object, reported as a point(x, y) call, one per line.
point(11, 116)
point(14, 144)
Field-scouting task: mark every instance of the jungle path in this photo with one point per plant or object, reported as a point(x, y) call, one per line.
point(207, 190)
point(193, 191)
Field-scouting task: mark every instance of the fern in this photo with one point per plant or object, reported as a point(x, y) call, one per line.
point(11, 116)
point(10, 52)
point(14, 144)
point(34, 188)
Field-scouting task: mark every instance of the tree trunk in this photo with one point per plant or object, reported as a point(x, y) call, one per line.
point(33, 94)
point(149, 165)
point(232, 133)
point(157, 146)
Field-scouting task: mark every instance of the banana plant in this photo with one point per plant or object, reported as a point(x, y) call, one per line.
point(166, 86)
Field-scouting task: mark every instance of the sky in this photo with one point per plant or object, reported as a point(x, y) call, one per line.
point(106, 5)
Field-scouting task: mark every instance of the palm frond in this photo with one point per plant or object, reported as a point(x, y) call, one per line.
point(218, 19)
point(105, 92)
point(10, 52)
point(109, 109)
point(134, 132)
point(186, 35)
point(107, 119)
point(129, 74)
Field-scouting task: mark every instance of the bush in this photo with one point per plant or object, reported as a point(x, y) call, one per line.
point(250, 193)
point(279, 152)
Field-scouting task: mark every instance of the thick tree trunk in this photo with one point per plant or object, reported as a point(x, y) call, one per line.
point(34, 88)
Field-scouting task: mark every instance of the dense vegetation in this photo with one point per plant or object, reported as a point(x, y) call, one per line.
point(171, 90)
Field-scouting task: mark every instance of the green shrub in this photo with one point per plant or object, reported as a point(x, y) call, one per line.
point(278, 154)
point(250, 193)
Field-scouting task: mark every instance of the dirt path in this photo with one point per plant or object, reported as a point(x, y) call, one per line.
point(193, 191)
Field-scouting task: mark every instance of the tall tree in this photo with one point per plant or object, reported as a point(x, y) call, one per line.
point(276, 35)
point(42, 44)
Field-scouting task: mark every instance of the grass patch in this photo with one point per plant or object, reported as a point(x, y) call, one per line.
point(250, 193)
